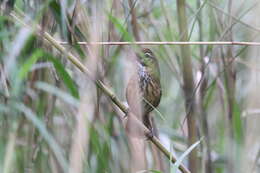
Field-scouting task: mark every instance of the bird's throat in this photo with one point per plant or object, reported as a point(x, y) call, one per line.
point(146, 72)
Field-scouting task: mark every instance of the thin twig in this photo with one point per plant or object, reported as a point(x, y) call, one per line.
point(233, 17)
point(243, 43)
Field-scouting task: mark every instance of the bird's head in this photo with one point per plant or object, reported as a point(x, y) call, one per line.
point(146, 58)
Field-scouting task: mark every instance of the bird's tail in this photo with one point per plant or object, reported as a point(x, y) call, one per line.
point(148, 121)
point(150, 124)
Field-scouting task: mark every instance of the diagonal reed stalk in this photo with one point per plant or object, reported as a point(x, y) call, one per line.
point(73, 59)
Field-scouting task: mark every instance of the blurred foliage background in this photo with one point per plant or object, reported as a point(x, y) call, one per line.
point(54, 119)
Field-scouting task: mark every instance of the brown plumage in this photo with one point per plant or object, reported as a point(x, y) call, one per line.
point(143, 91)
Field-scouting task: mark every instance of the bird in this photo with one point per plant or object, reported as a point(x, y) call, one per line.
point(143, 92)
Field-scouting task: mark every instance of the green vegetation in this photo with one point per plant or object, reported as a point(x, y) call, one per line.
point(62, 103)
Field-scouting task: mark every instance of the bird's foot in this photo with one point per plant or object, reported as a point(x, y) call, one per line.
point(126, 114)
point(150, 134)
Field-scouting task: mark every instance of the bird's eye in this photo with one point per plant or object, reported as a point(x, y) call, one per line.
point(147, 54)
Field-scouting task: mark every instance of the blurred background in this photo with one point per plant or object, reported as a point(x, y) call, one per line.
point(53, 118)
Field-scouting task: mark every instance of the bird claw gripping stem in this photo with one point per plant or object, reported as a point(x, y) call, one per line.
point(126, 114)
point(149, 135)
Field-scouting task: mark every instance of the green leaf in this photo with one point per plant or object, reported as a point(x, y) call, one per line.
point(57, 150)
point(29, 47)
point(24, 70)
point(60, 15)
point(210, 91)
point(126, 36)
point(70, 84)
point(186, 153)
point(66, 97)
point(26, 67)
point(237, 124)
point(78, 34)
point(56, 10)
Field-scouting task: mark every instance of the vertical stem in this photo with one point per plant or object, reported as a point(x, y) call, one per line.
point(188, 84)
point(137, 146)
point(229, 72)
point(134, 20)
point(230, 88)
point(201, 108)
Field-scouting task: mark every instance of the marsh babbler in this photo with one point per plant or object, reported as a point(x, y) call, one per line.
point(146, 86)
